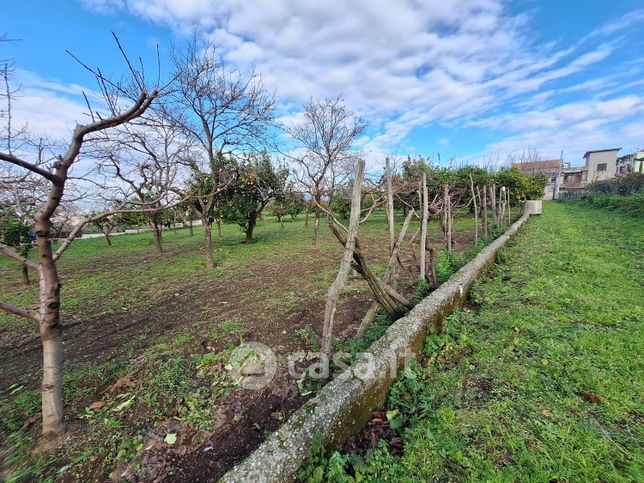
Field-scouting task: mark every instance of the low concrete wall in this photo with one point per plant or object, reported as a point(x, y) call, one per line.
point(346, 403)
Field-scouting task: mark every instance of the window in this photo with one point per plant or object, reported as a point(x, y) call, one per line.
point(601, 167)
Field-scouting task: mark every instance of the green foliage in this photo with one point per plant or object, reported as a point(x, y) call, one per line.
point(623, 185)
point(523, 186)
point(287, 203)
point(413, 168)
point(15, 234)
point(624, 195)
point(632, 205)
point(255, 183)
point(447, 264)
point(480, 177)
point(341, 203)
point(307, 336)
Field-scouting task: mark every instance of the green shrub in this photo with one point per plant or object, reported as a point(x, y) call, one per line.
point(624, 185)
point(632, 205)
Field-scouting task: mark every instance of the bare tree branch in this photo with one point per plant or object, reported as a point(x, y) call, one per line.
point(12, 309)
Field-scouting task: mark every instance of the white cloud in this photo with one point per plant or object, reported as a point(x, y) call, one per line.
point(48, 107)
point(403, 64)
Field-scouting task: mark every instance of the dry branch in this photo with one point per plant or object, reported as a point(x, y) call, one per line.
point(345, 264)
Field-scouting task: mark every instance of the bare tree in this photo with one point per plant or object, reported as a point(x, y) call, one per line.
point(145, 158)
point(527, 155)
point(56, 173)
point(222, 111)
point(325, 138)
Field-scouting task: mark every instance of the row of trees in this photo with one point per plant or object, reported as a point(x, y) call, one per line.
point(192, 147)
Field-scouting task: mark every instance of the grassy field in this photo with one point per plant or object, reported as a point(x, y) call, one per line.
point(147, 335)
point(541, 378)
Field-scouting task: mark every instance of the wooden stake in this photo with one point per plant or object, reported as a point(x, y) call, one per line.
point(345, 264)
point(476, 213)
point(485, 223)
point(390, 218)
point(423, 226)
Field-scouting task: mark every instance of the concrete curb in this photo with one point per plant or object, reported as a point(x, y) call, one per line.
point(345, 404)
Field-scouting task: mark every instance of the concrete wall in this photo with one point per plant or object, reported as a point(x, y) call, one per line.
point(346, 403)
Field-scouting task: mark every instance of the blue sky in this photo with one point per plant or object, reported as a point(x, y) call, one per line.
point(469, 79)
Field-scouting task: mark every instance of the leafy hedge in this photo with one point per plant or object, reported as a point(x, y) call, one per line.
point(632, 205)
point(624, 185)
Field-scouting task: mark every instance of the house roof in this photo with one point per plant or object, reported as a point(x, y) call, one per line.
point(600, 151)
point(538, 165)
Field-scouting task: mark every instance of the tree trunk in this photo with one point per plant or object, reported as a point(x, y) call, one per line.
point(252, 222)
point(190, 227)
point(317, 226)
point(51, 331)
point(157, 236)
point(207, 235)
point(367, 320)
point(107, 237)
point(345, 264)
point(25, 275)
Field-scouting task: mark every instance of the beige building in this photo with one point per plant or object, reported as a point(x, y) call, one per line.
point(600, 164)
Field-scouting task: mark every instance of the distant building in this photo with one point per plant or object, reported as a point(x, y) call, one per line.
point(549, 167)
point(630, 163)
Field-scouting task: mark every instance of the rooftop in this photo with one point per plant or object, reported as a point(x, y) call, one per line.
point(537, 165)
point(601, 151)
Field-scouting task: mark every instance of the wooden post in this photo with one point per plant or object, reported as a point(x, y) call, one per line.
point(493, 203)
point(476, 213)
point(485, 223)
point(447, 208)
point(390, 218)
point(432, 268)
point(373, 310)
point(345, 264)
point(423, 226)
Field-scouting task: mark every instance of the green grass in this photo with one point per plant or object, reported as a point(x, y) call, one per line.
point(541, 379)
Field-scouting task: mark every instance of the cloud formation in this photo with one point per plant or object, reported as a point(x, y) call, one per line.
point(404, 64)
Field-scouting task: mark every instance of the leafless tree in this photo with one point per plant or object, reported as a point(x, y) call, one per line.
point(527, 155)
point(56, 173)
point(324, 153)
point(146, 159)
point(223, 111)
